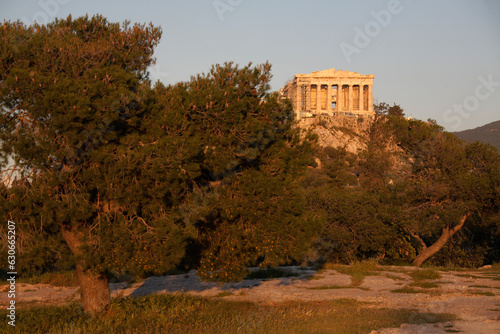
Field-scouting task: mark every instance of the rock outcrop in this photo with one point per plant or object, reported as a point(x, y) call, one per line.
point(339, 131)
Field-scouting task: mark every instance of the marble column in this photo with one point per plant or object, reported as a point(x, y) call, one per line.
point(318, 98)
point(350, 106)
point(360, 98)
point(329, 97)
point(340, 97)
point(298, 99)
point(370, 98)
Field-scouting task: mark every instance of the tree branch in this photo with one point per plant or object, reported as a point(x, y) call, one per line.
point(420, 240)
point(460, 224)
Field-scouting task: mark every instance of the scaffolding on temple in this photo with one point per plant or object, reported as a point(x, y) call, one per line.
point(305, 95)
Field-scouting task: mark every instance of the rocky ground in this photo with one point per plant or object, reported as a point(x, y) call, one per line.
point(473, 296)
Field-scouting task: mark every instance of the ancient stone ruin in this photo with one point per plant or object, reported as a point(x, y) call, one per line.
point(330, 92)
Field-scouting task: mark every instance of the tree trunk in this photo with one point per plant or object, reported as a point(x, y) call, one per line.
point(94, 288)
point(427, 252)
point(446, 234)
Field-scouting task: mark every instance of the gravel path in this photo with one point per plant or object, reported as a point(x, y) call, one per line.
point(473, 296)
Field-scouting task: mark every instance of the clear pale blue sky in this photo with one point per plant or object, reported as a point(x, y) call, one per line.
point(433, 57)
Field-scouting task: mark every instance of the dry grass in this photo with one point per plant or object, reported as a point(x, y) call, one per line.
point(58, 278)
point(425, 274)
point(357, 270)
point(184, 314)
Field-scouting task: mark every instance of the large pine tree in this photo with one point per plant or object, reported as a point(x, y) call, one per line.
point(124, 176)
point(72, 96)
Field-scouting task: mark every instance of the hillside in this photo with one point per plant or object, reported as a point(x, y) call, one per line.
point(489, 133)
point(339, 131)
point(348, 132)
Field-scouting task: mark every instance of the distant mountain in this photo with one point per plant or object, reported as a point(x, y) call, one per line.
point(489, 133)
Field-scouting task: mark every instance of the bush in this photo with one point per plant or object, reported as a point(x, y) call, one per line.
point(465, 250)
point(424, 274)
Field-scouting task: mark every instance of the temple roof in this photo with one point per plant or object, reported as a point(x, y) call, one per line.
point(334, 73)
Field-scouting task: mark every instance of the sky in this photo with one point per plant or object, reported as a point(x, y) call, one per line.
point(437, 59)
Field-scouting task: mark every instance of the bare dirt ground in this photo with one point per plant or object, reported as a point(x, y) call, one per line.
point(473, 296)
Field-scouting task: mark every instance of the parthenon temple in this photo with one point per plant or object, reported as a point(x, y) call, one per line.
point(332, 92)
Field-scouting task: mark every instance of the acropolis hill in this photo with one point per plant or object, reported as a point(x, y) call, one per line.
point(337, 105)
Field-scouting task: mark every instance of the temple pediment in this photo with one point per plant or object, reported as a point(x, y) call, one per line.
point(332, 72)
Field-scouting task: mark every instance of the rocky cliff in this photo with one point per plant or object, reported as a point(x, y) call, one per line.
point(339, 131)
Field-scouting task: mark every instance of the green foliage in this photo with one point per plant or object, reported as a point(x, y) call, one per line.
point(76, 93)
point(246, 202)
point(69, 86)
point(425, 285)
point(407, 289)
point(448, 180)
point(468, 249)
point(400, 251)
point(121, 177)
point(339, 166)
point(482, 293)
point(424, 274)
point(57, 278)
point(358, 225)
point(124, 177)
point(413, 182)
point(385, 109)
point(358, 270)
